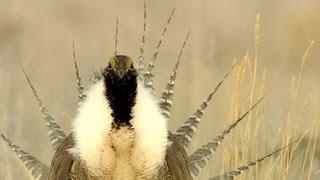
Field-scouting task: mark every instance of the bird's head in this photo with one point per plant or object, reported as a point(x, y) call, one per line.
point(120, 68)
point(120, 81)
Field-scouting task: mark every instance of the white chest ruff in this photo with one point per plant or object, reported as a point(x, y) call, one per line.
point(108, 153)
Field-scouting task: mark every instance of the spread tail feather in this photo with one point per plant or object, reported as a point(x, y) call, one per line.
point(186, 132)
point(116, 38)
point(234, 173)
point(167, 94)
point(148, 75)
point(55, 132)
point(37, 169)
point(143, 40)
point(81, 94)
point(198, 160)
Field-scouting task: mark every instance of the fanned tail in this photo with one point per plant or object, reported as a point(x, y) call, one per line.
point(186, 132)
point(234, 173)
point(37, 169)
point(167, 94)
point(56, 134)
point(198, 160)
point(148, 75)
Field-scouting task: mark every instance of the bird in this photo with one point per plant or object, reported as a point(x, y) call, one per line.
point(120, 126)
point(120, 130)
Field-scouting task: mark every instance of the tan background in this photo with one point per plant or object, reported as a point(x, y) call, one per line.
point(40, 34)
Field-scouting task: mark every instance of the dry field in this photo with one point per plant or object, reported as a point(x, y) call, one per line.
point(275, 44)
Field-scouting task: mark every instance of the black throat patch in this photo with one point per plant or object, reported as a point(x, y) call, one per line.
point(121, 95)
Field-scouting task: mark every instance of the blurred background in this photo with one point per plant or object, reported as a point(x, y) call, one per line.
point(39, 34)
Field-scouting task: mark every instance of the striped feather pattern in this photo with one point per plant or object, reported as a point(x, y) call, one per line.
point(186, 132)
point(37, 169)
point(148, 75)
point(143, 41)
point(80, 87)
point(167, 94)
point(55, 132)
point(198, 160)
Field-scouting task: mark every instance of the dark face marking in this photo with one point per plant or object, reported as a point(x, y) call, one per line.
point(120, 80)
point(121, 64)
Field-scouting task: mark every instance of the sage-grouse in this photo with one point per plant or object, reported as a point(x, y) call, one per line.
point(120, 131)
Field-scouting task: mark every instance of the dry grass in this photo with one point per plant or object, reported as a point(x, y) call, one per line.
point(275, 52)
point(295, 161)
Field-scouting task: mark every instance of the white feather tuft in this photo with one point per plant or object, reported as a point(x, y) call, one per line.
point(91, 129)
point(151, 133)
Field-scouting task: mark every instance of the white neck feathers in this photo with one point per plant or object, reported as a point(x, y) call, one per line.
point(93, 124)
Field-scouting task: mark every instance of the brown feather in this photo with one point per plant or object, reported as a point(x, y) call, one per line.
point(176, 159)
point(62, 161)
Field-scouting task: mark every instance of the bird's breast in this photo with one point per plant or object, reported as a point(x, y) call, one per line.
point(122, 140)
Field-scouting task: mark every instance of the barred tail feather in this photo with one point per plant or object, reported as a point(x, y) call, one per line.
point(143, 40)
point(116, 38)
point(81, 94)
point(234, 173)
point(148, 75)
point(186, 132)
point(198, 160)
point(167, 94)
point(37, 169)
point(55, 132)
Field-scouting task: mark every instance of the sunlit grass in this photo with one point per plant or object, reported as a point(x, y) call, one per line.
point(248, 143)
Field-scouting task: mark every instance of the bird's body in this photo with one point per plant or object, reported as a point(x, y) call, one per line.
point(119, 131)
point(65, 167)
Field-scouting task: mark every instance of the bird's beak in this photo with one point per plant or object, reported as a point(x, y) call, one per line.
point(121, 72)
point(121, 69)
